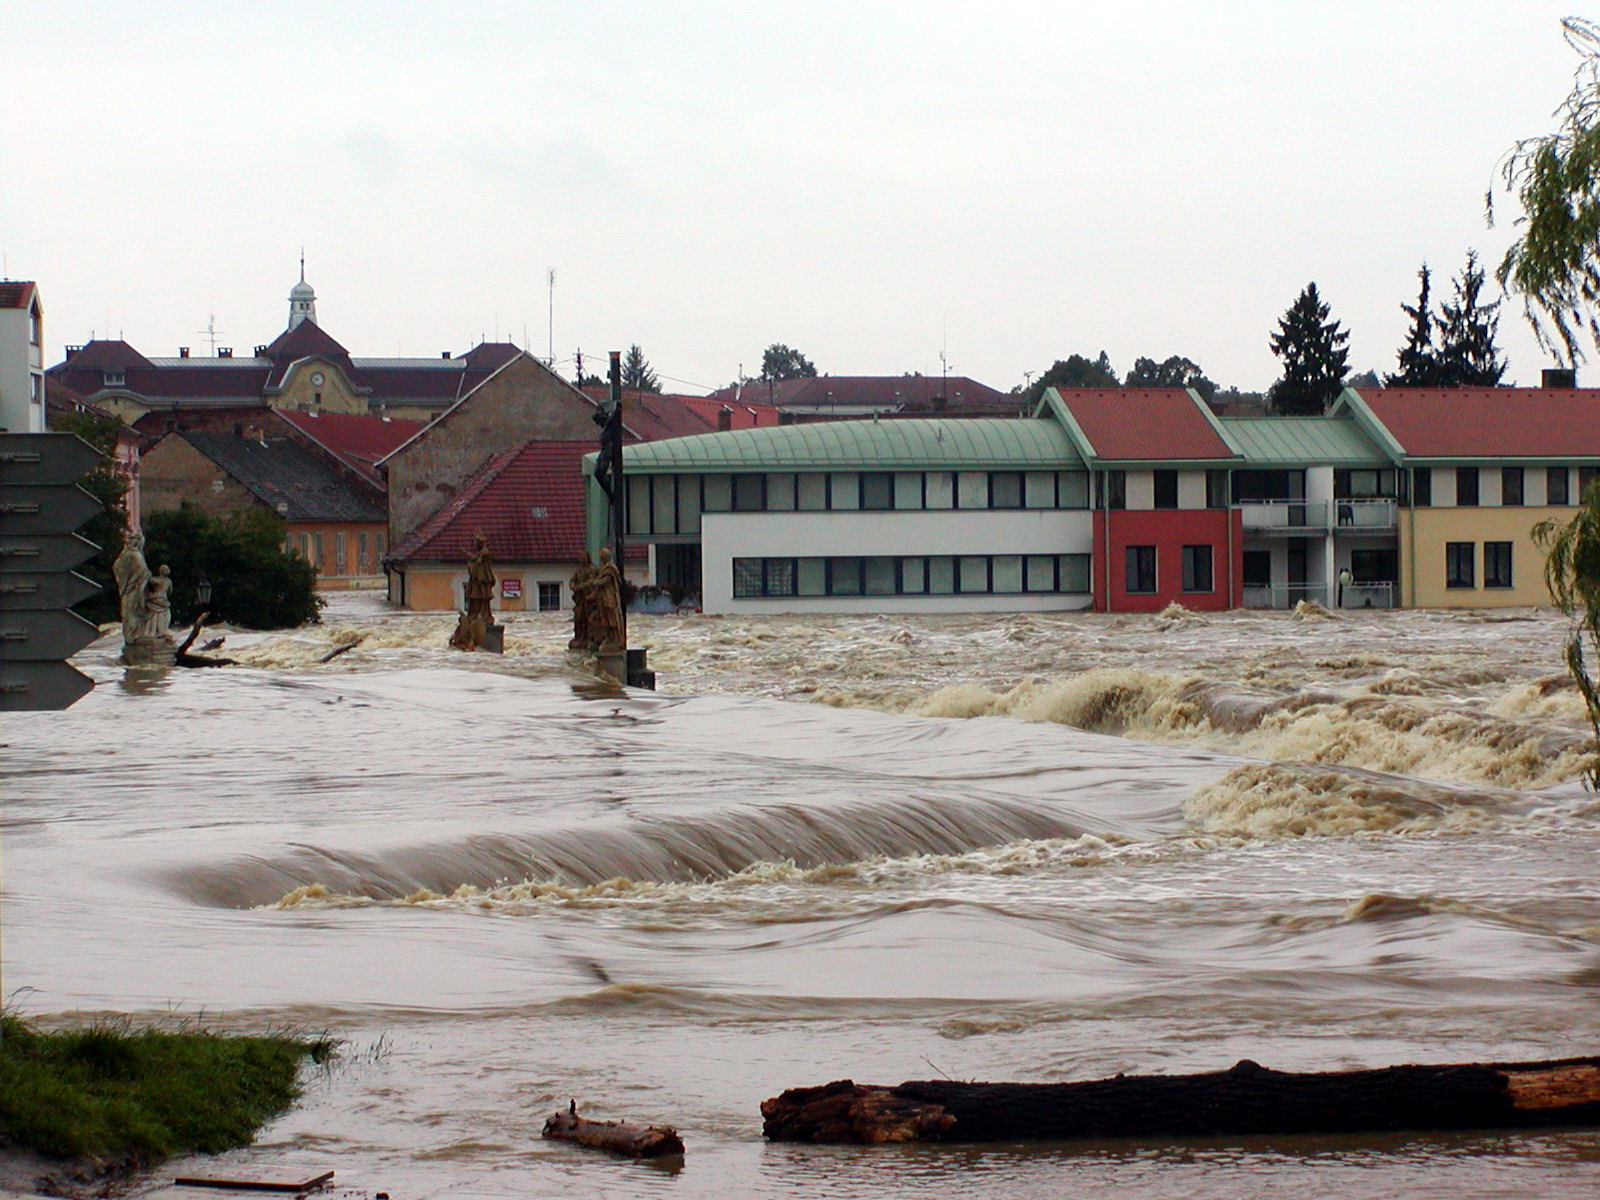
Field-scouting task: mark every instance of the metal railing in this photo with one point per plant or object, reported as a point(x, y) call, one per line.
point(1366, 514)
point(1284, 515)
point(1287, 595)
point(1369, 595)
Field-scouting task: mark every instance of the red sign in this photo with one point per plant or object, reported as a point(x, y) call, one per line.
point(511, 589)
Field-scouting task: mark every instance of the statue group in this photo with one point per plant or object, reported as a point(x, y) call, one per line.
point(598, 625)
point(145, 598)
point(472, 630)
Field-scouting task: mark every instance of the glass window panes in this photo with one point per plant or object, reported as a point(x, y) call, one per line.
point(1039, 573)
point(1197, 569)
point(1497, 564)
point(780, 492)
point(688, 504)
point(877, 490)
point(779, 577)
point(1466, 486)
point(1510, 489)
point(664, 497)
point(1005, 489)
point(941, 575)
point(1141, 564)
point(747, 491)
point(812, 577)
point(941, 489)
point(639, 504)
point(747, 577)
point(1074, 570)
point(972, 489)
point(908, 489)
point(844, 576)
point(973, 573)
point(880, 576)
point(1556, 486)
point(913, 576)
point(1458, 565)
point(719, 493)
point(845, 490)
point(1039, 489)
point(813, 492)
point(1007, 573)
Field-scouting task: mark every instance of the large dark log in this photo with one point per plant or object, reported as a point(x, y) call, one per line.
point(1249, 1098)
point(614, 1137)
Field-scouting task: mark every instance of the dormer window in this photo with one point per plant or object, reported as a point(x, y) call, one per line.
point(114, 377)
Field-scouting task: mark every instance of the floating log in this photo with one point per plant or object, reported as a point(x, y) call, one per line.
point(184, 659)
point(344, 648)
point(614, 1137)
point(1249, 1098)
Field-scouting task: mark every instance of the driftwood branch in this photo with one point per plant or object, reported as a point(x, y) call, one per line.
point(338, 650)
point(1249, 1098)
point(614, 1137)
point(185, 659)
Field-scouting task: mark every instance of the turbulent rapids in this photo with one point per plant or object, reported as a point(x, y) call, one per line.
point(1037, 847)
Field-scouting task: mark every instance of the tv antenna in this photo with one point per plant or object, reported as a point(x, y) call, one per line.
point(550, 348)
point(211, 332)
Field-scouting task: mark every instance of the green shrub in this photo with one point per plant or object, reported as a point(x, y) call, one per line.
point(255, 582)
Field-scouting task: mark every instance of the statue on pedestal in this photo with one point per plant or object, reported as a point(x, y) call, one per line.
point(477, 618)
point(598, 625)
point(145, 600)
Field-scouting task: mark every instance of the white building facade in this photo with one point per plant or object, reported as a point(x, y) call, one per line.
point(22, 408)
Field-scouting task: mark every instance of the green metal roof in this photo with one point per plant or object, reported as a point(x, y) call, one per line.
point(1303, 441)
point(923, 443)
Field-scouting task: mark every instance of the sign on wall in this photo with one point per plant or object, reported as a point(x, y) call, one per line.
point(511, 589)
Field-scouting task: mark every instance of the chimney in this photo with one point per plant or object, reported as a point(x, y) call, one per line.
point(183, 352)
point(1558, 378)
point(724, 418)
point(224, 351)
point(444, 354)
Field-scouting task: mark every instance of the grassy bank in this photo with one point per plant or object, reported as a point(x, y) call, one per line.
point(134, 1097)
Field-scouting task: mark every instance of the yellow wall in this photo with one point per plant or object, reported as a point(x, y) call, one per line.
point(300, 394)
point(1424, 532)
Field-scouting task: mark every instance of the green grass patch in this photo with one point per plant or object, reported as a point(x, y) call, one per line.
point(115, 1093)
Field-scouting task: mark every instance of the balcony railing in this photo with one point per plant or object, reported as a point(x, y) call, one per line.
point(1287, 595)
point(1352, 515)
point(1369, 595)
point(1284, 516)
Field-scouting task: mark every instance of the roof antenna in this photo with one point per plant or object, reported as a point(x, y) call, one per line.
point(302, 264)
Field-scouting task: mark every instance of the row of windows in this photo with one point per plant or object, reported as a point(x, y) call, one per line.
point(1194, 569)
point(674, 503)
point(922, 575)
point(1513, 484)
point(314, 548)
point(1460, 564)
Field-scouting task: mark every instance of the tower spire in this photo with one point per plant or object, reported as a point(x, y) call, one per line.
point(302, 298)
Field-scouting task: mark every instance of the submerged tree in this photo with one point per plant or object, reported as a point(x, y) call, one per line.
point(1572, 573)
point(1467, 354)
point(636, 373)
point(1555, 264)
point(1315, 357)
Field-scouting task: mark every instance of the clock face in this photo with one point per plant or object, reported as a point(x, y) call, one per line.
point(316, 378)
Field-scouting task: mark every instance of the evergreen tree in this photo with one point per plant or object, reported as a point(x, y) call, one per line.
point(636, 373)
point(780, 362)
point(1419, 363)
point(1315, 357)
point(1468, 356)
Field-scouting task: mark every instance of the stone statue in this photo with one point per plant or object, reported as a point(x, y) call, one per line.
point(477, 618)
point(578, 585)
point(158, 605)
point(132, 574)
point(607, 631)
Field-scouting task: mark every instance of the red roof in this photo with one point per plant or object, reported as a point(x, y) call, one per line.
point(741, 415)
point(651, 416)
point(1144, 424)
point(1490, 422)
point(16, 293)
point(528, 500)
point(304, 339)
point(867, 391)
point(357, 441)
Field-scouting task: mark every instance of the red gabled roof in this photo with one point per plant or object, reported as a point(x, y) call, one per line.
point(16, 293)
point(1144, 424)
point(866, 391)
point(357, 441)
point(304, 340)
point(651, 416)
point(528, 500)
point(1490, 422)
point(741, 415)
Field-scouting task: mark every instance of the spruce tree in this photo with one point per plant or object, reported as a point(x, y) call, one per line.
point(1419, 362)
point(1315, 357)
point(1468, 356)
point(636, 373)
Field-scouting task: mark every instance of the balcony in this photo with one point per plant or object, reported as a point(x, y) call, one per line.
point(1287, 595)
point(1366, 516)
point(1371, 595)
point(1290, 517)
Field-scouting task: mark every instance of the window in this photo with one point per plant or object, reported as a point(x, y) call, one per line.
point(36, 327)
point(780, 492)
point(1375, 566)
point(1006, 573)
point(1197, 569)
point(941, 575)
point(908, 490)
point(747, 577)
point(1466, 487)
point(813, 492)
point(749, 494)
point(664, 504)
point(877, 490)
point(1074, 572)
point(719, 494)
point(114, 377)
point(972, 489)
point(1458, 565)
point(1555, 486)
point(1497, 564)
point(941, 489)
point(1040, 489)
point(1166, 489)
point(1039, 573)
point(812, 577)
point(1510, 495)
point(1585, 478)
point(844, 576)
point(777, 577)
point(1072, 489)
point(973, 573)
point(844, 490)
point(549, 597)
point(1422, 487)
point(1257, 568)
point(1216, 489)
point(363, 562)
point(1113, 489)
point(1005, 489)
point(880, 576)
point(1141, 569)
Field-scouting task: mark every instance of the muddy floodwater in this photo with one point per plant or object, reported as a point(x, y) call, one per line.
point(1039, 848)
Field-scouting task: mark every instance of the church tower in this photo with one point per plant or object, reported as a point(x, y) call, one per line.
point(302, 299)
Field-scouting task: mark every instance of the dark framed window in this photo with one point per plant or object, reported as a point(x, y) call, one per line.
point(1585, 478)
point(1113, 486)
point(1466, 487)
point(844, 577)
point(1141, 569)
point(1555, 486)
point(1510, 494)
point(1216, 489)
point(1197, 569)
point(1166, 488)
point(1459, 570)
point(549, 597)
point(749, 493)
point(1497, 564)
point(877, 490)
point(1375, 566)
point(746, 577)
point(1005, 489)
point(1257, 570)
point(1422, 487)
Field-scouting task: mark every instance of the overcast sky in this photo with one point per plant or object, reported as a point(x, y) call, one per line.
point(870, 182)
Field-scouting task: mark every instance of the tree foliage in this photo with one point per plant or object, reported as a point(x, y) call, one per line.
point(636, 373)
point(108, 528)
point(255, 582)
point(1074, 372)
point(780, 362)
point(1467, 354)
point(1572, 573)
point(1419, 363)
point(1174, 372)
point(1555, 264)
point(1315, 357)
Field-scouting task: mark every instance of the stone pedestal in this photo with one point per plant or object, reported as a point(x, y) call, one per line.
point(149, 652)
point(493, 640)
